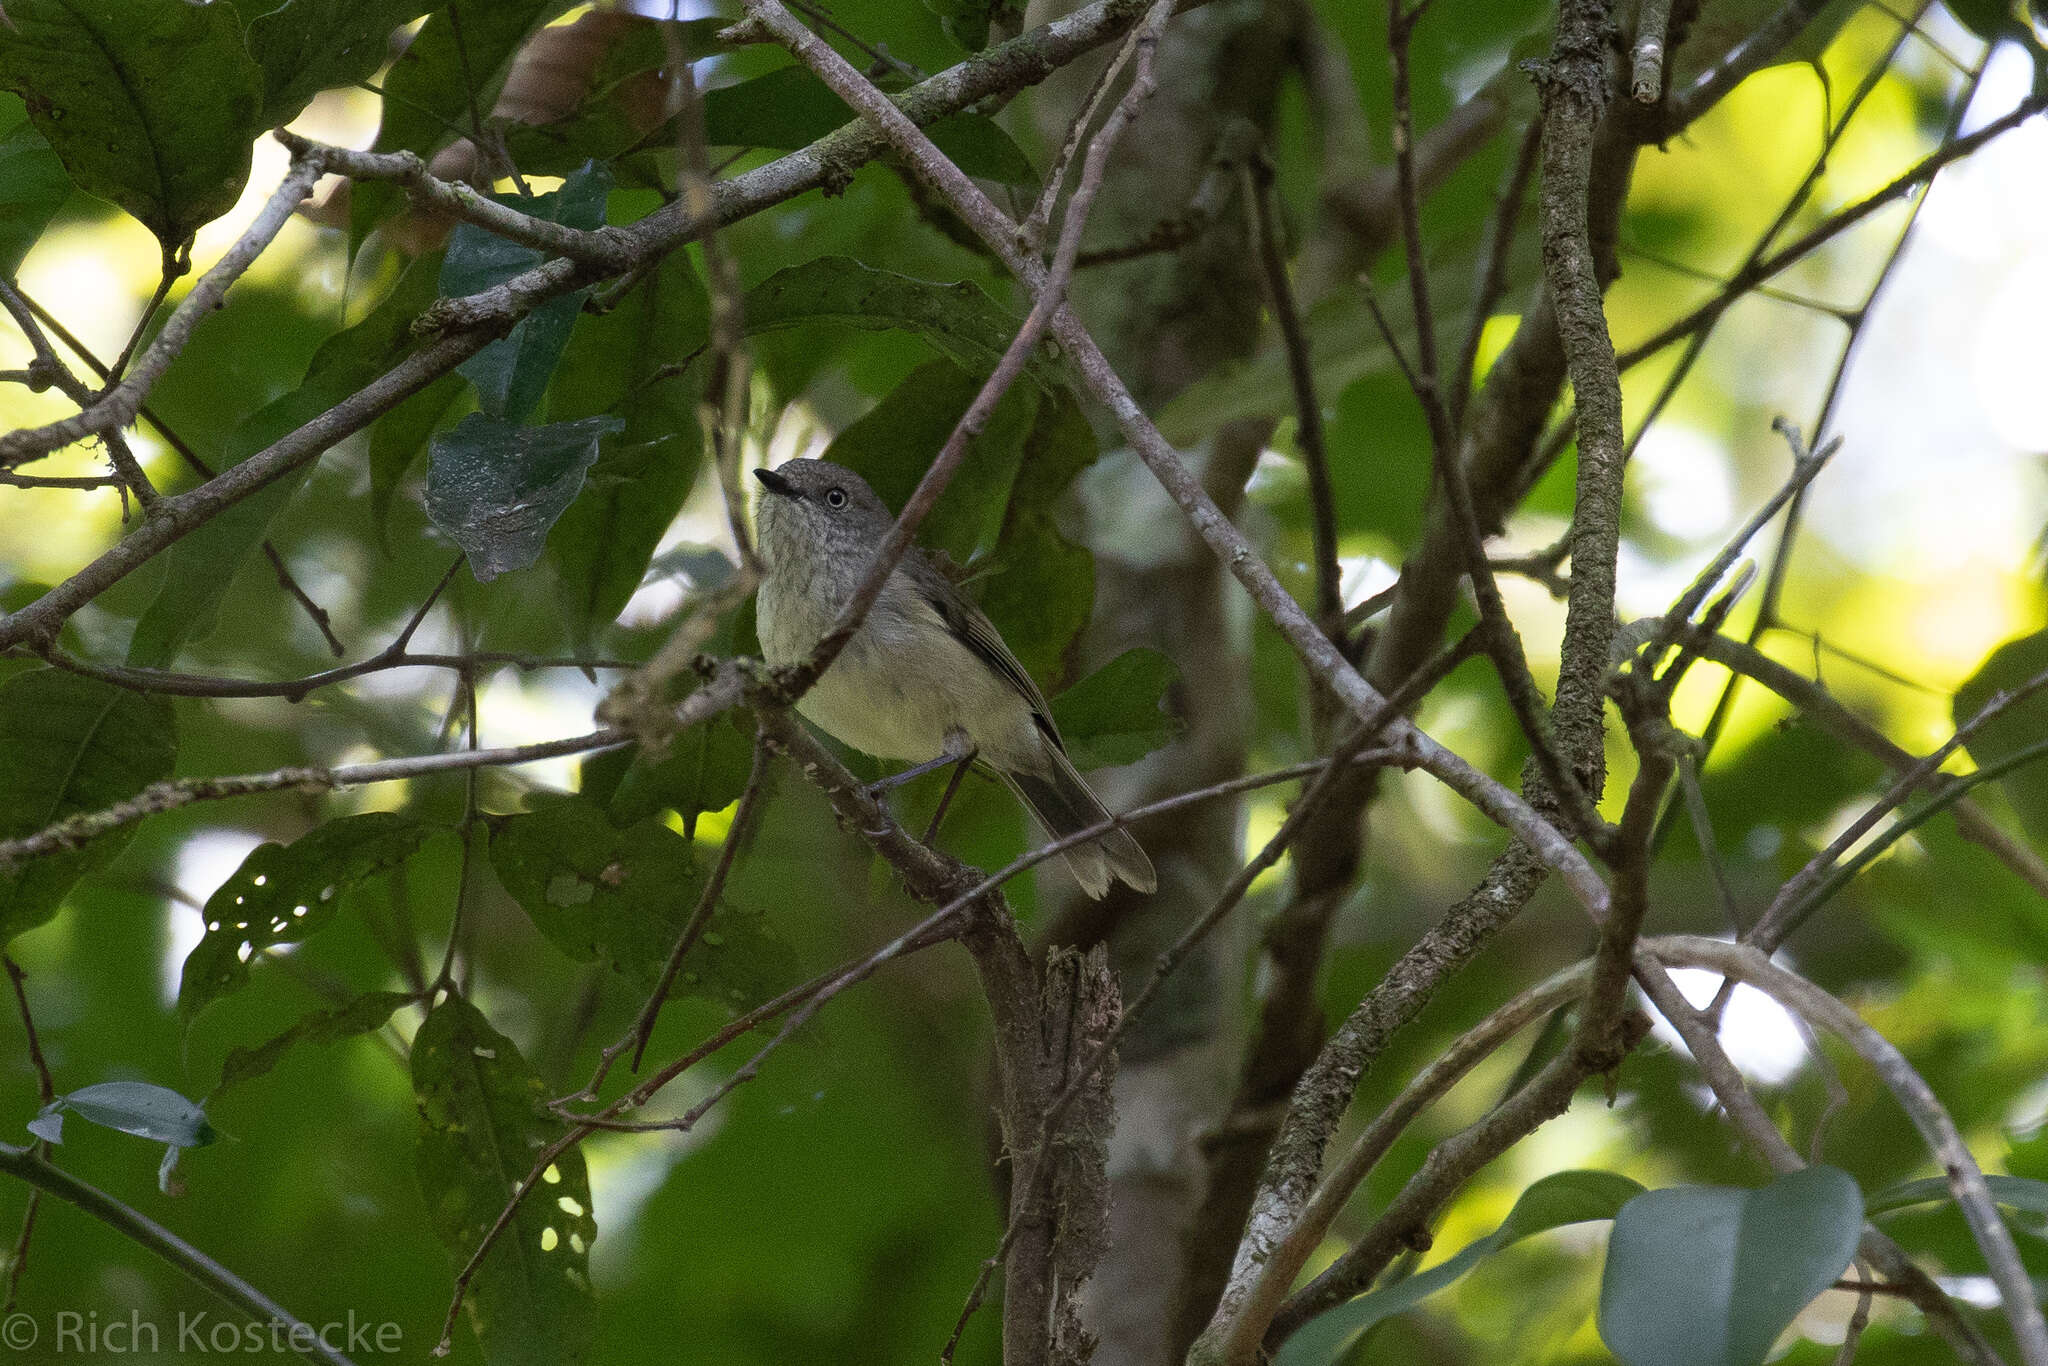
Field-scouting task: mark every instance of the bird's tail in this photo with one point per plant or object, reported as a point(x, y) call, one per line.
point(1064, 804)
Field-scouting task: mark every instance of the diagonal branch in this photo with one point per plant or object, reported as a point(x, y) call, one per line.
point(171, 1249)
point(118, 407)
point(465, 325)
point(1317, 652)
point(1745, 963)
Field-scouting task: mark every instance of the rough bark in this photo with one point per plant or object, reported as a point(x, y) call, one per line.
point(1165, 321)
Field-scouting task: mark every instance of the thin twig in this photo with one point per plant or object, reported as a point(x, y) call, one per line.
point(1646, 80)
point(75, 831)
point(1308, 409)
point(118, 406)
point(1703, 832)
point(46, 1091)
point(1802, 891)
point(1031, 233)
point(1832, 227)
point(167, 683)
point(700, 917)
point(1821, 707)
point(1744, 1111)
point(178, 445)
point(172, 1250)
point(1493, 271)
point(1965, 1179)
point(1315, 649)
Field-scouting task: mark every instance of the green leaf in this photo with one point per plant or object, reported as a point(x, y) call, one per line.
point(705, 769)
point(1113, 716)
point(201, 566)
point(608, 123)
point(958, 320)
point(398, 438)
point(430, 88)
point(457, 61)
point(70, 744)
point(307, 46)
point(1345, 344)
point(601, 894)
point(979, 146)
point(33, 185)
point(1711, 1275)
point(496, 488)
point(365, 1013)
point(1573, 1197)
point(2024, 723)
point(895, 442)
point(132, 1107)
point(285, 893)
point(481, 1130)
point(512, 373)
point(1988, 19)
point(1039, 588)
point(967, 22)
point(622, 363)
point(152, 106)
point(790, 108)
point(2014, 1192)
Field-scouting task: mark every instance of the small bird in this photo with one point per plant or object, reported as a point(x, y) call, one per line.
point(927, 678)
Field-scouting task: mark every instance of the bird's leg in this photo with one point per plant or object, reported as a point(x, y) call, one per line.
point(959, 754)
point(960, 767)
point(876, 788)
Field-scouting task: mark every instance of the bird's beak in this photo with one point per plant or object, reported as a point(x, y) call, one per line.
point(775, 483)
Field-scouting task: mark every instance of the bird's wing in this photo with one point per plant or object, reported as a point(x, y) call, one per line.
point(974, 630)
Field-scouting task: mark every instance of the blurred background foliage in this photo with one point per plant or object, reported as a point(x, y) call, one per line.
point(837, 1207)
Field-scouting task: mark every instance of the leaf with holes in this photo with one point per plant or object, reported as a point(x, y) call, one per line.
point(705, 769)
point(1711, 1275)
point(959, 320)
point(621, 897)
point(283, 893)
point(2022, 725)
point(512, 373)
point(496, 489)
point(481, 1130)
point(154, 107)
point(1114, 715)
point(1562, 1198)
point(70, 744)
point(365, 1013)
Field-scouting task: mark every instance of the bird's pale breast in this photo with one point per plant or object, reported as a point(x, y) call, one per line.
point(902, 682)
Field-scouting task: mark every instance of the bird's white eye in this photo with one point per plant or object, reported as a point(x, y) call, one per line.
point(835, 498)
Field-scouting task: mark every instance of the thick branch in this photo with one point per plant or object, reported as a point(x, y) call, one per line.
point(1574, 87)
